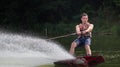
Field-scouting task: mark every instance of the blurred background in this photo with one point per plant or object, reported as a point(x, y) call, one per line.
point(57, 17)
point(51, 18)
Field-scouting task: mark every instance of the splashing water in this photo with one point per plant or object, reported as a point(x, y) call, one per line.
point(27, 51)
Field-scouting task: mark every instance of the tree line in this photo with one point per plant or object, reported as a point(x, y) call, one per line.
point(53, 15)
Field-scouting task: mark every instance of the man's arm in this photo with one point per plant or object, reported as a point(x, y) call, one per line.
point(89, 29)
point(78, 30)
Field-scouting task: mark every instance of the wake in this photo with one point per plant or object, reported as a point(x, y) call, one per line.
point(28, 51)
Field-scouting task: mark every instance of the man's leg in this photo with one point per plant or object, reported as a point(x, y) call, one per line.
point(72, 48)
point(88, 50)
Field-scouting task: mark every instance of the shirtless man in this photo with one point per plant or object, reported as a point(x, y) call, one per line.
point(83, 31)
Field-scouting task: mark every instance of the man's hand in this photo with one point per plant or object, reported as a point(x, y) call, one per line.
point(83, 32)
point(78, 33)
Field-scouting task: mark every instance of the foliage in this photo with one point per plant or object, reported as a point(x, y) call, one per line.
point(117, 2)
point(58, 16)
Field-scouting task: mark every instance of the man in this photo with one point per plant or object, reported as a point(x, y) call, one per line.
point(83, 31)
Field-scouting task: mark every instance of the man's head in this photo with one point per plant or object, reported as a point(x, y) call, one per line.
point(84, 17)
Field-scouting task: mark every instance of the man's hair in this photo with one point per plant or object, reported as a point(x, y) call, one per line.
point(83, 14)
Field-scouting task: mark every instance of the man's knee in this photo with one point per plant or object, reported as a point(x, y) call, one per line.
point(87, 46)
point(73, 45)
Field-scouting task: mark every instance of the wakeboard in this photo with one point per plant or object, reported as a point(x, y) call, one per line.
point(85, 61)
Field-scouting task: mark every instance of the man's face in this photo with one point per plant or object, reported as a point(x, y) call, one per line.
point(84, 19)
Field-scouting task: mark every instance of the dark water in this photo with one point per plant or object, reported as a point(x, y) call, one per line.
point(106, 45)
point(112, 58)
